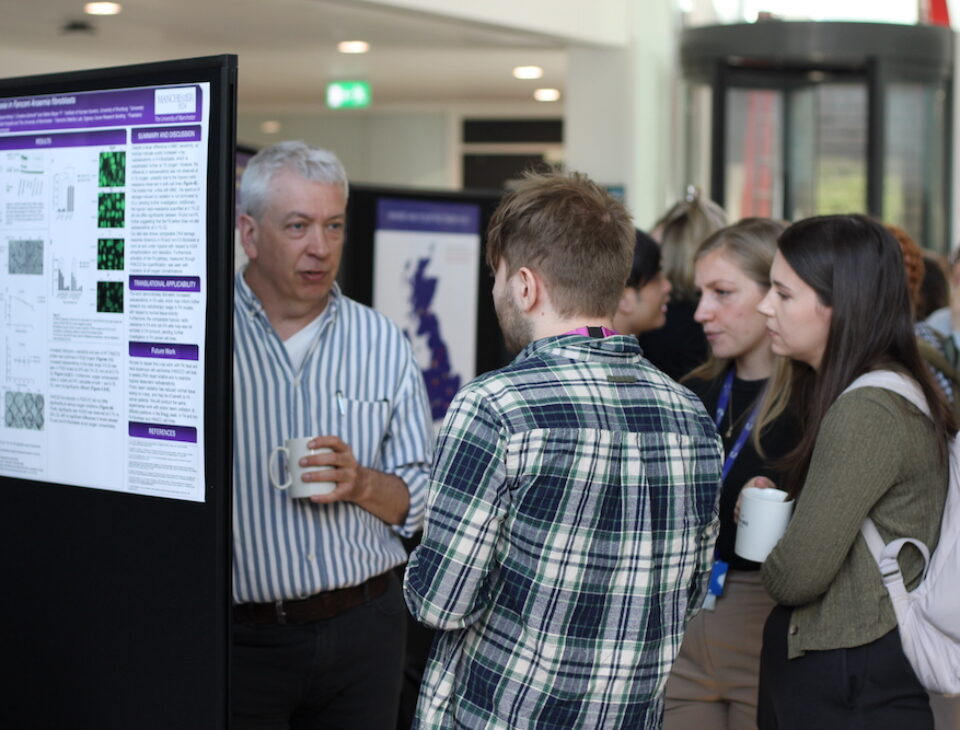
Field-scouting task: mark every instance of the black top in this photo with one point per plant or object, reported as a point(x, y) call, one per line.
point(679, 346)
point(778, 439)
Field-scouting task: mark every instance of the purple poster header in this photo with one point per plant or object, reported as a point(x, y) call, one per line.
point(165, 283)
point(164, 350)
point(153, 135)
point(420, 215)
point(66, 139)
point(122, 107)
point(166, 433)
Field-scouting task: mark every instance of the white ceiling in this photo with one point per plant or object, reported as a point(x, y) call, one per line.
point(286, 48)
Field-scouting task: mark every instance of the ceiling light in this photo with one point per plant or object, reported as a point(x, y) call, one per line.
point(527, 72)
point(353, 46)
point(270, 126)
point(102, 8)
point(547, 94)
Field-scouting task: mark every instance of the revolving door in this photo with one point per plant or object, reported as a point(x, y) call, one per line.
point(788, 120)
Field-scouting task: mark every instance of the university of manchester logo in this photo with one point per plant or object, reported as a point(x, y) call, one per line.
point(175, 101)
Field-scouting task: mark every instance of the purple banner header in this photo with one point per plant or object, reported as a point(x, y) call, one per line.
point(67, 139)
point(165, 283)
point(421, 215)
point(165, 433)
point(165, 351)
point(122, 107)
point(154, 135)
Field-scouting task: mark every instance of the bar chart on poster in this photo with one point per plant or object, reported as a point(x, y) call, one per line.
point(103, 256)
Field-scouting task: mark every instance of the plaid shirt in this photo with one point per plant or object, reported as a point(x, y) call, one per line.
point(571, 516)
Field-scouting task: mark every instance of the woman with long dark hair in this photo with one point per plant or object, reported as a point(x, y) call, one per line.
point(839, 307)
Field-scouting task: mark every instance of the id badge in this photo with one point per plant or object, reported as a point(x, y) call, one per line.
point(718, 576)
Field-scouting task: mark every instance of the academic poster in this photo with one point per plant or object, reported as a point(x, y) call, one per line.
point(103, 247)
point(426, 265)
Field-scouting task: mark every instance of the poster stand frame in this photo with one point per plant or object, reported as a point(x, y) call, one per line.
point(117, 605)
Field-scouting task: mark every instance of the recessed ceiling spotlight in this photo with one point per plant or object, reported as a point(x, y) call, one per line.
point(547, 94)
point(353, 46)
point(102, 8)
point(527, 72)
point(270, 126)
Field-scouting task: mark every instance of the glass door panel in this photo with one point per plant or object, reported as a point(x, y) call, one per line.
point(840, 148)
point(914, 164)
point(827, 149)
point(754, 153)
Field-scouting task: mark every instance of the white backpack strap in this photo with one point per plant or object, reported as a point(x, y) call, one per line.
point(886, 553)
point(872, 536)
point(902, 385)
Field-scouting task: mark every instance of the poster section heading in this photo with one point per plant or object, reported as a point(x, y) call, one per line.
point(119, 108)
point(423, 216)
point(103, 249)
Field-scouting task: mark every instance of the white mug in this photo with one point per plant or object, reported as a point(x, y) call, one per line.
point(293, 450)
point(764, 514)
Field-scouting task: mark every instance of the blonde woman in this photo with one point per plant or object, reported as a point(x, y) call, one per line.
point(714, 682)
point(678, 346)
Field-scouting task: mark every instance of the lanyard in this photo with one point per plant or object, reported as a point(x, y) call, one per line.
point(598, 332)
point(745, 432)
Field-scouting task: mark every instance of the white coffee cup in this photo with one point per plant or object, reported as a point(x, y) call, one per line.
point(764, 514)
point(293, 450)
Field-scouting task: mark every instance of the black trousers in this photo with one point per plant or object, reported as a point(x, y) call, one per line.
point(869, 687)
point(343, 673)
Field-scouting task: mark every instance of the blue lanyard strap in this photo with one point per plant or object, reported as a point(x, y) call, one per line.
point(745, 432)
point(724, 400)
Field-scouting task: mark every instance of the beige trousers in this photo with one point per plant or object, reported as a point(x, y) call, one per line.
point(946, 712)
point(713, 685)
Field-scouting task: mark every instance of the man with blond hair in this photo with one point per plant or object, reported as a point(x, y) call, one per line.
point(572, 503)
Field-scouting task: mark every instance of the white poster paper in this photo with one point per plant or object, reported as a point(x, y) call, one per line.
point(102, 288)
point(426, 258)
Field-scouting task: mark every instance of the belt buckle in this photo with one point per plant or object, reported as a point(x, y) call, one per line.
point(280, 611)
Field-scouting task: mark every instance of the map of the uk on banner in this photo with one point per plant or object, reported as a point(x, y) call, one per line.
point(426, 264)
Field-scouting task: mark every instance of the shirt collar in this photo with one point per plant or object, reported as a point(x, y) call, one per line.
point(250, 303)
point(617, 348)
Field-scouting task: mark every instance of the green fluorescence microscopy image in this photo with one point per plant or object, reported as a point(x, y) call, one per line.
point(110, 210)
point(110, 296)
point(113, 169)
point(110, 254)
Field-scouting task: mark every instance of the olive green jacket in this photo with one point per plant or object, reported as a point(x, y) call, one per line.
point(875, 454)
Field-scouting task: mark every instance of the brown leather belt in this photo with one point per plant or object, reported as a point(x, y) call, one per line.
point(317, 607)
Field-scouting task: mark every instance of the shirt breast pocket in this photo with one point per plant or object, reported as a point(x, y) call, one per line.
point(364, 427)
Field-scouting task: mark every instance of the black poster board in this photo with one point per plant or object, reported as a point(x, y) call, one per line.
point(115, 603)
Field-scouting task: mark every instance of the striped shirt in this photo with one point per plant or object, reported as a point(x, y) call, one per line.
point(571, 517)
point(358, 381)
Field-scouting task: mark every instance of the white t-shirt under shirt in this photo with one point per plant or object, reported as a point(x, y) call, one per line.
point(298, 344)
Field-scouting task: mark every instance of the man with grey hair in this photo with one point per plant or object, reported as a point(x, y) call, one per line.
point(318, 621)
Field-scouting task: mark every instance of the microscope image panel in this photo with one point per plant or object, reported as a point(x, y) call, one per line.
point(25, 256)
point(23, 410)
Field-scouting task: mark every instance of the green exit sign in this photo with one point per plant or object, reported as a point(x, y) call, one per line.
point(348, 94)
